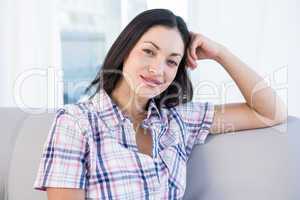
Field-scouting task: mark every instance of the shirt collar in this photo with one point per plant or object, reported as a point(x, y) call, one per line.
point(112, 115)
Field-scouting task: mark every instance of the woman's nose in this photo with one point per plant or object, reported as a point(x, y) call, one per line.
point(157, 68)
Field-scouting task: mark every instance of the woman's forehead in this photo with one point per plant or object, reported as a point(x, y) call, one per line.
point(163, 38)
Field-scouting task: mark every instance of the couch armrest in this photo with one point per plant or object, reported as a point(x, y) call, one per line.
point(250, 164)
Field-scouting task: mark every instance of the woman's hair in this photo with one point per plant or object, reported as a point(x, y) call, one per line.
point(179, 91)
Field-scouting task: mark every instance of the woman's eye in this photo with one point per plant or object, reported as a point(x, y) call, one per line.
point(148, 51)
point(173, 62)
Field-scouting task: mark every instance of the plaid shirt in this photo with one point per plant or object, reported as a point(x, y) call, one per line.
point(91, 145)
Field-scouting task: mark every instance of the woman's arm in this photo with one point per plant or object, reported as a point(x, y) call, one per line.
point(65, 194)
point(262, 107)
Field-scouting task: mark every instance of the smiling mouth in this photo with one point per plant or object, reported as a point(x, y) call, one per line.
point(150, 82)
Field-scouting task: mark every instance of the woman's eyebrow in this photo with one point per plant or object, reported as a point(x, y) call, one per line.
point(157, 47)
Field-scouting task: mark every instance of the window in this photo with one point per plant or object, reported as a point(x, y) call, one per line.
point(88, 29)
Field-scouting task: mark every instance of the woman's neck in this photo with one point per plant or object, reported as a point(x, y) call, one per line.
point(129, 102)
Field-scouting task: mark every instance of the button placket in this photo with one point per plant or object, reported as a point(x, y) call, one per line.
point(154, 131)
point(130, 138)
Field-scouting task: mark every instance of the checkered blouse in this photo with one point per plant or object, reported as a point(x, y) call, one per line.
point(91, 145)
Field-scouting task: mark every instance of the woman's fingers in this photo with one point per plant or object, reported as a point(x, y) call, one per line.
point(197, 42)
point(192, 49)
point(190, 61)
point(192, 54)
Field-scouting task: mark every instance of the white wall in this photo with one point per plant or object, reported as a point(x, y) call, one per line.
point(293, 51)
point(255, 30)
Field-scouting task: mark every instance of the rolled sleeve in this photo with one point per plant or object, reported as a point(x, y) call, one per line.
point(63, 157)
point(198, 118)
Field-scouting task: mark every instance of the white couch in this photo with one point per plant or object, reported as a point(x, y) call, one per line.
point(260, 164)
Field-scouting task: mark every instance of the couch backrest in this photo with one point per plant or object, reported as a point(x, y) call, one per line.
point(25, 135)
point(252, 164)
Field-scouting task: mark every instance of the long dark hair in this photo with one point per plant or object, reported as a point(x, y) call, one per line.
point(180, 91)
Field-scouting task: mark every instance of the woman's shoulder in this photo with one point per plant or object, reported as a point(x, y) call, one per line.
point(193, 110)
point(76, 115)
point(192, 106)
point(79, 111)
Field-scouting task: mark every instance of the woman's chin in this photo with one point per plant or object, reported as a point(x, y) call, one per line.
point(147, 95)
point(147, 92)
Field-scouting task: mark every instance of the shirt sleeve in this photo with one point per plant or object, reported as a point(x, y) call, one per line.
point(198, 118)
point(63, 158)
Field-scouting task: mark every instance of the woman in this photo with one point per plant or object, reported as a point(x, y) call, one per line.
point(132, 138)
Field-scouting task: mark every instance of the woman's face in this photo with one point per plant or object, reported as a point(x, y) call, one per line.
point(152, 64)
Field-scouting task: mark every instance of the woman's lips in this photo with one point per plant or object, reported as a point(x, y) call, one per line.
point(150, 82)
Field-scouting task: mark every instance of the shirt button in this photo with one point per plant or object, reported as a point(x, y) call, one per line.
point(145, 124)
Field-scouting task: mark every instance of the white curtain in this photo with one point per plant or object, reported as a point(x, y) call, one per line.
point(30, 75)
point(254, 30)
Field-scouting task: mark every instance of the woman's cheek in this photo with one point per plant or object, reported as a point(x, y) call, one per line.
point(168, 83)
point(144, 61)
point(171, 79)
